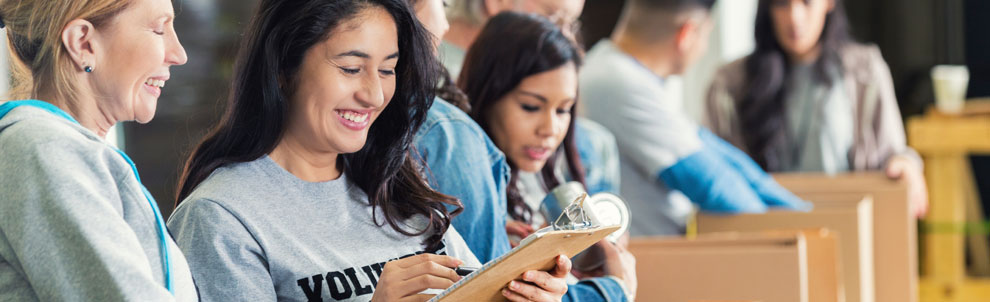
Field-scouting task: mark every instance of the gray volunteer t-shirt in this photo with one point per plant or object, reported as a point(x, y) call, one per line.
point(254, 232)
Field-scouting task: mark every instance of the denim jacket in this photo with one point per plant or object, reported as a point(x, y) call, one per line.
point(463, 162)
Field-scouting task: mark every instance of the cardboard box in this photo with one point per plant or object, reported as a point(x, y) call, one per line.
point(825, 281)
point(851, 219)
point(895, 238)
point(769, 267)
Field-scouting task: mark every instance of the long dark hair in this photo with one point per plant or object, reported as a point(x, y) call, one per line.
point(258, 108)
point(511, 47)
point(762, 108)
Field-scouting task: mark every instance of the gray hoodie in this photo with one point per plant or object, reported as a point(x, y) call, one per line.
point(74, 222)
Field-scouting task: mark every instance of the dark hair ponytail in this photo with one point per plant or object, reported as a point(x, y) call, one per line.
point(762, 108)
point(495, 65)
point(257, 110)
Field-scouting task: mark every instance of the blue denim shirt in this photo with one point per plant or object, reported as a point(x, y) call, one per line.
point(463, 162)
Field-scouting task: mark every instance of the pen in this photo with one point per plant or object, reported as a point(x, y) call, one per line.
point(465, 270)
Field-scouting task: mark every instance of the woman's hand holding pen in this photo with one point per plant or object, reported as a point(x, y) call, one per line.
point(402, 280)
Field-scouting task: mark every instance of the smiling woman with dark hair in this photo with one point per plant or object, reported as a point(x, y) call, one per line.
point(307, 190)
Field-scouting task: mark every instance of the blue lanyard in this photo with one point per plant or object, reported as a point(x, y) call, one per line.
point(8, 106)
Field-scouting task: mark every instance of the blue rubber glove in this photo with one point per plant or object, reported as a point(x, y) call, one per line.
point(722, 179)
point(762, 183)
point(713, 184)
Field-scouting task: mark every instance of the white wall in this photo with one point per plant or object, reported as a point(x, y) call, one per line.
point(731, 39)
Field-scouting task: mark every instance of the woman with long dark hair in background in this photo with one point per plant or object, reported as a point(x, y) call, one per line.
point(510, 83)
point(810, 99)
point(307, 189)
point(521, 78)
point(464, 162)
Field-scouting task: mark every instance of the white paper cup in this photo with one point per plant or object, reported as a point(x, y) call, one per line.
point(950, 83)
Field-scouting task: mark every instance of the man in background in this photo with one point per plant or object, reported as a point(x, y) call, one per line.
point(667, 160)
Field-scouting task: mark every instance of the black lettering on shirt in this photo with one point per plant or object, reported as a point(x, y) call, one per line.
point(314, 293)
point(335, 279)
point(378, 268)
point(358, 289)
point(371, 275)
point(345, 284)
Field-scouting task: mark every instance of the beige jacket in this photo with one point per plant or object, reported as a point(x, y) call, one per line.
point(879, 129)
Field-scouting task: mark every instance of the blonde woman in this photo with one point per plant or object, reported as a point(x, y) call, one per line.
point(76, 224)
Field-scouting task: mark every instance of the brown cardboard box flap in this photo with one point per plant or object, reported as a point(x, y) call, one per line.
point(851, 220)
point(768, 267)
point(895, 239)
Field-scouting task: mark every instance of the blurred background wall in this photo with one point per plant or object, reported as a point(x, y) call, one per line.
point(210, 31)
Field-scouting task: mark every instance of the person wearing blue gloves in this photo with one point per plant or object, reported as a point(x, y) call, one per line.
point(668, 161)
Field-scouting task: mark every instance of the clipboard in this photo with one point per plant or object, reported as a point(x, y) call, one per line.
point(574, 231)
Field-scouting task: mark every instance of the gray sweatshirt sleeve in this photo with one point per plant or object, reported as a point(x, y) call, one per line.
point(653, 136)
point(227, 262)
point(62, 224)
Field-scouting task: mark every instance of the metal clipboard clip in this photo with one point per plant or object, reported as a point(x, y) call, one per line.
point(575, 217)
